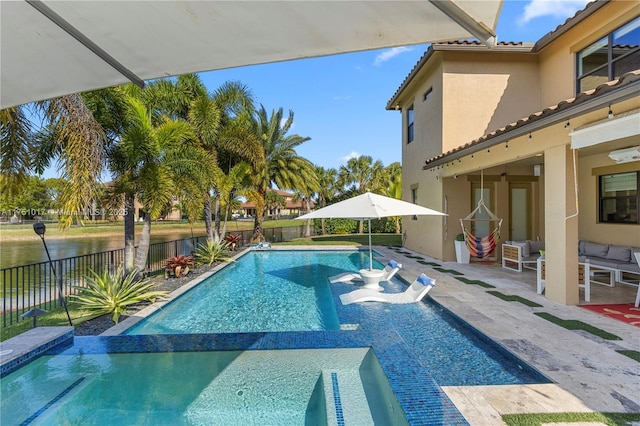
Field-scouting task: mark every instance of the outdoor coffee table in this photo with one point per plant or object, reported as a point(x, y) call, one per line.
point(371, 278)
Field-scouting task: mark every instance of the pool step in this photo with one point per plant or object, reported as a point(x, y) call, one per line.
point(345, 398)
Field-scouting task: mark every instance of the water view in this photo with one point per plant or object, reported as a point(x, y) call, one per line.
point(14, 253)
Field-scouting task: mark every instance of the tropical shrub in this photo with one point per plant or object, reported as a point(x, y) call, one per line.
point(179, 265)
point(111, 293)
point(385, 225)
point(213, 251)
point(233, 240)
point(337, 226)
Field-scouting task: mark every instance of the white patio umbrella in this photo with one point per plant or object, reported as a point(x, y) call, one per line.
point(370, 206)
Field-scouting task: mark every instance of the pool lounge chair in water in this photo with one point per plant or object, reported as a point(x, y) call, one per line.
point(261, 245)
point(389, 271)
point(414, 293)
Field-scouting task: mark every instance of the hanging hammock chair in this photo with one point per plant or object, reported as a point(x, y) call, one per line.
point(481, 247)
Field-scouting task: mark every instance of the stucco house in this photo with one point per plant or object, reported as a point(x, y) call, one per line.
point(530, 128)
point(293, 206)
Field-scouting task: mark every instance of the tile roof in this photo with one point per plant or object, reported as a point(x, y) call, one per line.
point(580, 15)
point(605, 88)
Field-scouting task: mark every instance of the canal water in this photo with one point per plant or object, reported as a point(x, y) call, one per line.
point(14, 253)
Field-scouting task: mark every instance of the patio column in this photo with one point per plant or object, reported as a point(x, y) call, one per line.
point(561, 230)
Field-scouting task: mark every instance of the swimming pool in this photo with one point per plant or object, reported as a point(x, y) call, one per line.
point(262, 291)
point(285, 387)
point(417, 348)
point(282, 290)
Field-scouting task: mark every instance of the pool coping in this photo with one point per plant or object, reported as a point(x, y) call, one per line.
point(28, 346)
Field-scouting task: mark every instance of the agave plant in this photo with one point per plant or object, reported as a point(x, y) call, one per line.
point(111, 293)
point(213, 251)
point(179, 265)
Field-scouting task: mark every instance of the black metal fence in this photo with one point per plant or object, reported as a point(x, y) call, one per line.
point(28, 286)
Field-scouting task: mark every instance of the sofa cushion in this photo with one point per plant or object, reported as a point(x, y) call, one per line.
point(536, 246)
point(629, 267)
point(581, 245)
point(597, 261)
point(596, 250)
point(623, 254)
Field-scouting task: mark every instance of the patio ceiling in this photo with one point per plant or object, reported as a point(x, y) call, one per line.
point(51, 48)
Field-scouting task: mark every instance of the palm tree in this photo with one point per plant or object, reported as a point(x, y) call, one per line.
point(214, 119)
point(229, 187)
point(281, 166)
point(327, 189)
point(274, 202)
point(392, 186)
point(70, 133)
point(147, 162)
point(16, 146)
point(362, 175)
point(304, 196)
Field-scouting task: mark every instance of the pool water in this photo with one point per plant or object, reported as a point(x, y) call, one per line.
point(278, 291)
point(262, 291)
point(285, 387)
point(266, 341)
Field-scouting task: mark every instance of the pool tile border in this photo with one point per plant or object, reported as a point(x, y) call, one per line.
point(336, 399)
point(19, 356)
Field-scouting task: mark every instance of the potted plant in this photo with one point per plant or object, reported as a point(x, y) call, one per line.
point(179, 265)
point(462, 252)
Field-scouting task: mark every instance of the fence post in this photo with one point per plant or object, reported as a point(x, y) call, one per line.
point(59, 275)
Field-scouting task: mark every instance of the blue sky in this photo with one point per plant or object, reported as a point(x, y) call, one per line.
point(339, 101)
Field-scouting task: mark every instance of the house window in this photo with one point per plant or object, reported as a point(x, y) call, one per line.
point(427, 94)
point(610, 57)
point(410, 124)
point(414, 199)
point(619, 198)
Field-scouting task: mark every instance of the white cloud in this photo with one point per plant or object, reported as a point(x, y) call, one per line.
point(556, 8)
point(352, 154)
point(342, 98)
point(390, 53)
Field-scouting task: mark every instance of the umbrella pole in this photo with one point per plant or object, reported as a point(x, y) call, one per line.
point(370, 255)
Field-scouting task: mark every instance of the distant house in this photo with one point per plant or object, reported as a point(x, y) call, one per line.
point(547, 134)
point(291, 207)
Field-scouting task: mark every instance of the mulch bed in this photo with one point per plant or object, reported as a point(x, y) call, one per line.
point(95, 326)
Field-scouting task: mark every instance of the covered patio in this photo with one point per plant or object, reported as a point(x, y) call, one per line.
point(545, 175)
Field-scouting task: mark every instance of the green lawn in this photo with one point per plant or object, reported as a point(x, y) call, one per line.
point(349, 239)
point(8, 232)
point(55, 317)
point(612, 419)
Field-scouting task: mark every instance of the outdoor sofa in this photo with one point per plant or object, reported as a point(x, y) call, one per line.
point(521, 254)
point(612, 261)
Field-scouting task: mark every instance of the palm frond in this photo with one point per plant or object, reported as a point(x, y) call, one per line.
point(15, 149)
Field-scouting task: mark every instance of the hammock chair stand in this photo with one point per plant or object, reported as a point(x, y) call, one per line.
point(481, 247)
